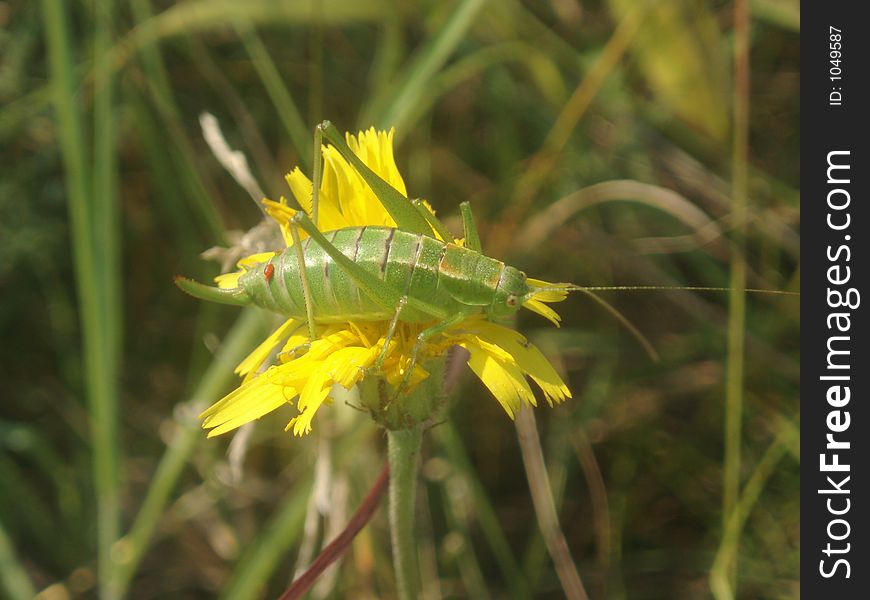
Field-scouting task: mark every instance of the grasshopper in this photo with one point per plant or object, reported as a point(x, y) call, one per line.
point(415, 273)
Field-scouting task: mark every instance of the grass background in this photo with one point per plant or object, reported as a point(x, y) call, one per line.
point(602, 143)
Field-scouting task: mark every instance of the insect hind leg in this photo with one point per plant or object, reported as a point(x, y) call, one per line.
point(472, 237)
point(317, 176)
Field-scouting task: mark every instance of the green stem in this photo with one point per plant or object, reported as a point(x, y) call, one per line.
point(105, 218)
point(734, 377)
point(403, 452)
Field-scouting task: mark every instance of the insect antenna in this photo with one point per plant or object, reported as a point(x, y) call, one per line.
point(621, 318)
point(662, 288)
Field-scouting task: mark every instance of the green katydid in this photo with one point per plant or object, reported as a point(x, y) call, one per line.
point(398, 274)
point(403, 274)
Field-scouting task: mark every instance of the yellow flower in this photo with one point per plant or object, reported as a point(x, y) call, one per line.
point(344, 353)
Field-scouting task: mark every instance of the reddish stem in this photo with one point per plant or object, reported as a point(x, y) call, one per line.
point(337, 546)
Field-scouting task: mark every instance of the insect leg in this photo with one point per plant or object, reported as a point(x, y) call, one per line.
point(303, 275)
point(433, 221)
point(383, 295)
point(422, 338)
point(390, 331)
point(317, 176)
point(395, 203)
point(472, 238)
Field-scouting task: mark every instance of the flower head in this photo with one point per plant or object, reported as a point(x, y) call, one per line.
point(344, 353)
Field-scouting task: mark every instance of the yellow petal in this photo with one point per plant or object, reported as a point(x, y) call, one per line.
point(300, 186)
point(268, 401)
point(293, 374)
point(346, 367)
point(382, 143)
point(250, 401)
point(526, 356)
point(256, 358)
point(550, 295)
point(316, 389)
point(506, 382)
point(251, 261)
point(543, 310)
point(315, 392)
point(294, 346)
point(281, 213)
point(395, 374)
point(554, 393)
point(229, 280)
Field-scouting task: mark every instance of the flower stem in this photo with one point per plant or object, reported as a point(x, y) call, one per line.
point(403, 451)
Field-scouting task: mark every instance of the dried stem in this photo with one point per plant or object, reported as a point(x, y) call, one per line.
point(545, 508)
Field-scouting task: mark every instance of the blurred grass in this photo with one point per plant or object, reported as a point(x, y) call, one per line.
point(724, 574)
point(531, 111)
point(91, 193)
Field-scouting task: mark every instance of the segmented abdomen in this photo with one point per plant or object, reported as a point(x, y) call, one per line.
point(439, 273)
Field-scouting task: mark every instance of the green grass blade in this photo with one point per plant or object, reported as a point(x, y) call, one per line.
point(394, 109)
point(96, 299)
point(180, 222)
point(199, 192)
point(189, 18)
point(285, 106)
point(389, 52)
point(106, 256)
point(720, 577)
point(537, 63)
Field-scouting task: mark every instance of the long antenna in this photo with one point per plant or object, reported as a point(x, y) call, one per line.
point(640, 337)
point(631, 327)
point(664, 288)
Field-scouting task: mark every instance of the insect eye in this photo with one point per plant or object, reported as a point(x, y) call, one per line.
point(511, 301)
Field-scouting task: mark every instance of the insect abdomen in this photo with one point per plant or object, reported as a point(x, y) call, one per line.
point(445, 275)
